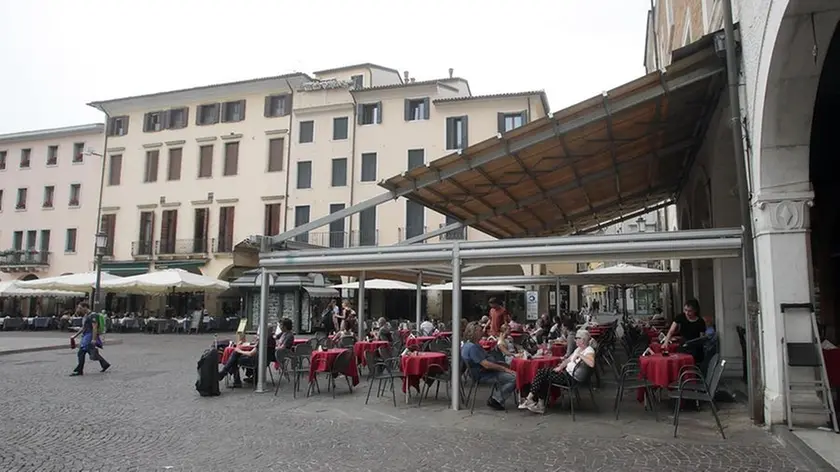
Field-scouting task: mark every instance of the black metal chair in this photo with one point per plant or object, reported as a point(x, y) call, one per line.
point(630, 379)
point(581, 377)
point(339, 367)
point(702, 391)
point(435, 375)
point(284, 359)
point(472, 393)
point(300, 365)
point(384, 372)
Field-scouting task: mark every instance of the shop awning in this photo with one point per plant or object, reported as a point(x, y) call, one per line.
point(125, 268)
point(629, 149)
point(322, 292)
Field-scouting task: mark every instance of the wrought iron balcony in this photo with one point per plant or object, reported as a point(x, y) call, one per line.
point(459, 234)
point(338, 239)
point(409, 232)
point(142, 248)
point(181, 247)
point(20, 259)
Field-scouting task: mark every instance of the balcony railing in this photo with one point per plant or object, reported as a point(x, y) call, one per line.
point(182, 246)
point(409, 232)
point(142, 248)
point(15, 258)
point(338, 239)
point(459, 234)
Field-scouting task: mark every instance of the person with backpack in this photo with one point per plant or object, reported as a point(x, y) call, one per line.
point(92, 327)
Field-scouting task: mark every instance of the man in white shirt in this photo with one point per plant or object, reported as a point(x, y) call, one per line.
point(427, 328)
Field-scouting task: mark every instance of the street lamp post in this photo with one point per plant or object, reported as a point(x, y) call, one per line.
point(101, 245)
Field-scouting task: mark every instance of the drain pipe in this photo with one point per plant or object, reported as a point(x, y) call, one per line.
point(756, 387)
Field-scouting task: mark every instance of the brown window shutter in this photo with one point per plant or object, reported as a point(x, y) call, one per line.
point(275, 219)
point(115, 170)
point(231, 158)
point(275, 155)
point(174, 171)
point(229, 227)
point(205, 168)
point(173, 227)
point(267, 107)
point(242, 113)
point(217, 108)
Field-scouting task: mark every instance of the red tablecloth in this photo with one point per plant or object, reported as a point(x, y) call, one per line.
point(361, 347)
point(516, 335)
point(443, 334)
point(664, 370)
point(487, 344)
point(526, 369)
point(558, 349)
point(322, 361)
point(229, 352)
point(298, 342)
point(415, 365)
point(419, 341)
point(404, 334)
point(832, 366)
point(596, 331)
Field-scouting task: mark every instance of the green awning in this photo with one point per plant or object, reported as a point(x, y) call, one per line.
point(125, 268)
point(190, 265)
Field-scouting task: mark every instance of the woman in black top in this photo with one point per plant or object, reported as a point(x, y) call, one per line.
point(690, 326)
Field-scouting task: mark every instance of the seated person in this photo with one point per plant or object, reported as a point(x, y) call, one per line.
point(383, 333)
point(427, 328)
point(344, 333)
point(284, 336)
point(691, 327)
point(561, 375)
point(567, 332)
point(484, 322)
point(247, 359)
point(505, 344)
point(484, 370)
point(556, 328)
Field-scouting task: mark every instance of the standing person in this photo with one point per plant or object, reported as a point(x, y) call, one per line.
point(90, 340)
point(348, 314)
point(334, 316)
point(498, 316)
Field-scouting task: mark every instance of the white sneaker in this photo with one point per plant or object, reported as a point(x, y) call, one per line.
point(538, 407)
point(527, 404)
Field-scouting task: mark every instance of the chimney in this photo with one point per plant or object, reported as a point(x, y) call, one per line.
point(405, 74)
point(451, 72)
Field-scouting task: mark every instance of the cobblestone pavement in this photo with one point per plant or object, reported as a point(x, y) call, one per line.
point(144, 415)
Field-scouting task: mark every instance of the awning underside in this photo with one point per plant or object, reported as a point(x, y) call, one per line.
point(596, 161)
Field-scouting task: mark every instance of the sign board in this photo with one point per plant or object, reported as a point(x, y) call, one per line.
point(242, 323)
point(532, 308)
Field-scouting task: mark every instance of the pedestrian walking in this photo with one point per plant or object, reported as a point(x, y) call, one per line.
point(91, 342)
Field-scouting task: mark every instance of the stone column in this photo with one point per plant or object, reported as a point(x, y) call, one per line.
point(783, 263)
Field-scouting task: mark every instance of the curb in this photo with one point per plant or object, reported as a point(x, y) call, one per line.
point(811, 457)
point(53, 347)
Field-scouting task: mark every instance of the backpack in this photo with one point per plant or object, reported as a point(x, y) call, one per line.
point(207, 383)
point(101, 320)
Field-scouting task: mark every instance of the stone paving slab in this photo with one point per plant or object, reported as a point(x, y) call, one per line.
point(24, 342)
point(144, 415)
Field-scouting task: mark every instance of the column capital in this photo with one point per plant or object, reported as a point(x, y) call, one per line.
point(782, 212)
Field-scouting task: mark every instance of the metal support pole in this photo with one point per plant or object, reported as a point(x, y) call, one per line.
point(557, 297)
point(455, 367)
point(756, 387)
point(263, 330)
point(361, 305)
point(418, 310)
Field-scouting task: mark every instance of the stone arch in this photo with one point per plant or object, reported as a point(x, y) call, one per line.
point(24, 278)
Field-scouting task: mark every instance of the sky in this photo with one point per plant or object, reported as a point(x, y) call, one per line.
point(58, 55)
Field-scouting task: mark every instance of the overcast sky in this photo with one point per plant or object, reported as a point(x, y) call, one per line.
point(57, 55)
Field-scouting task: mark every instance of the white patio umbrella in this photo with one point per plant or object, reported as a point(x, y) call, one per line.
point(165, 282)
point(83, 282)
point(379, 284)
point(476, 288)
point(12, 288)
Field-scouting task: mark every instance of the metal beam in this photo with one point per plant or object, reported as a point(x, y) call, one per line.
point(626, 217)
point(431, 234)
point(517, 144)
point(576, 279)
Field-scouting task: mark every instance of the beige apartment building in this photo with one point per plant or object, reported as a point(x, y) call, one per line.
point(191, 174)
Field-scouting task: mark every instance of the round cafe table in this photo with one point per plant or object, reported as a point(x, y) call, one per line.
point(418, 341)
point(661, 370)
point(361, 347)
point(559, 349)
point(443, 334)
point(322, 361)
point(526, 369)
point(416, 364)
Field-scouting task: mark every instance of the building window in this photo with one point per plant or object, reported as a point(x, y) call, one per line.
point(75, 194)
point(511, 121)
point(367, 227)
point(301, 218)
point(145, 241)
point(231, 166)
point(25, 158)
point(31, 240)
point(276, 148)
point(307, 131)
point(336, 227)
point(226, 217)
point(233, 111)
point(177, 118)
point(415, 219)
point(168, 231)
point(416, 158)
point(205, 161)
point(370, 113)
point(21, 199)
point(201, 225)
point(45, 241)
point(153, 121)
point(173, 170)
point(17, 240)
point(52, 155)
point(304, 174)
point(108, 223)
point(3, 160)
point(369, 167)
point(416, 109)
point(70, 240)
point(78, 153)
point(150, 170)
point(358, 81)
point(271, 222)
point(49, 196)
point(456, 132)
point(277, 105)
point(340, 128)
point(115, 169)
point(207, 114)
point(118, 126)
point(339, 172)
